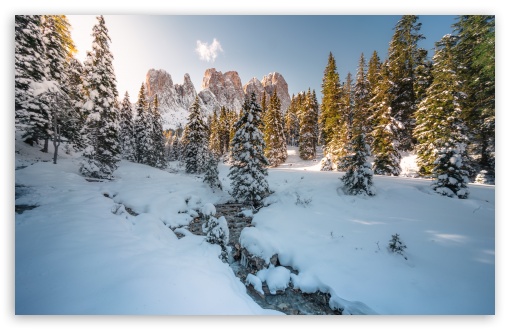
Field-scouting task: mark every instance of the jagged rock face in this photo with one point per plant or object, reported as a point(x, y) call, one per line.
point(219, 89)
point(254, 86)
point(276, 81)
point(226, 87)
point(174, 100)
point(268, 84)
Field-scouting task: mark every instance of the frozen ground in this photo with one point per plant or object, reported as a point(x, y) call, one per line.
point(80, 252)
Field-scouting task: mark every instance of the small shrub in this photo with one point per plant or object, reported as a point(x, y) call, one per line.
point(397, 246)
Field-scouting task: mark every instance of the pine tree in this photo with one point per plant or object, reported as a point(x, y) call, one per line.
point(362, 95)
point(211, 172)
point(32, 115)
point(307, 129)
point(103, 151)
point(339, 145)
point(248, 171)
point(274, 138)
point(127, 131)
point(440, 128)
point(158, 137)
point(385, 129)
point(475, 54)
point(403, 53)
point(291, 127)
point(143, 137)
point(358, 178)
point(330, 110)
point(224, 131)
point(215, 138)
point(76, 92)
point(450, 178)
point(195, 135)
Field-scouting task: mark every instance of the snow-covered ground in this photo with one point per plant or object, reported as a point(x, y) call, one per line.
point(81, 252)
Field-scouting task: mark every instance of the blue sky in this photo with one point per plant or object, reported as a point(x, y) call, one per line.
point(297, 46)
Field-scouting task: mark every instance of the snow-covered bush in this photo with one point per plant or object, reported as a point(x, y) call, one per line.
point(451, 177)
point(216, 229)
point(484, 177)
point(326, 164)
point(397, 246)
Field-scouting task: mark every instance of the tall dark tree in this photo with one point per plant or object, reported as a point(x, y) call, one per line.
point(103, 151)
point(143, 123)
point(475, 52)
point(307, 128)
point(77, 95)
point(127, 130)
point(158, 137)
point(215, 138)
point(248, 171)
point(32, 115)
point(384, 135)
point(274, 138)
point(361, 97)
point(358, 177)
point(330, 110)
point(440, 128)
point(291, 127)
point(343, 134)
point(195, 135)
point(403, 56)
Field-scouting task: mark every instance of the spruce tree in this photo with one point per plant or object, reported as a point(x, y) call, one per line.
point(307, 129)
point(127, 131)
point(215, 138)
point(248, 171)
point(339, 145)
point(403, 54)
point(142, 126)
point(103, 151)
point(440, 128)
point(195, 135)
point(330, 110)
point(211, 172)
point(361, 97)
point(475, 54)
point(77, 94)
point(385, 129)
point(31, 114)
point(450, 178)
point(224, 131)
point(291, 127)
point(274, 138)
point(158, 137)
point(358, 177)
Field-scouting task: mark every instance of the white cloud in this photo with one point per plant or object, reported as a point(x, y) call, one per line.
point(208, 52)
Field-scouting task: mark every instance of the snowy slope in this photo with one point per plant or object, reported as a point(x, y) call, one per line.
point(81, 252)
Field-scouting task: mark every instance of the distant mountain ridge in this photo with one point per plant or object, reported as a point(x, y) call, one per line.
point(218, 89)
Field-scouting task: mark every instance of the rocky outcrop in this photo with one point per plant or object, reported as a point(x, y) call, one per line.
point(270, 83)
point(226, 87)
point(218, 89)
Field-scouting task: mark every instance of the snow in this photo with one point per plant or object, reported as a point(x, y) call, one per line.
point(80, 251)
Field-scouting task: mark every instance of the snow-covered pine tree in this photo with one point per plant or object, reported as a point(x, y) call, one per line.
point(142, 127)
point(358, 178)
point(127, 130)
point(402, 54)
point(59, 48)
point(103, 151)
point(475, 53)
point(76, 93)
point(211, 172)
point(450, 178)
point(291, 128)
point(339, 146)
point(440, 128)
point(215, 138)
point(195, 135)
point(31, 114)
point(248, 171)
point(362, 96)
point(224, 131)
point(307, 129)
point(158, 137)
point(330, 107)
point(274, 138)
point(385, 129)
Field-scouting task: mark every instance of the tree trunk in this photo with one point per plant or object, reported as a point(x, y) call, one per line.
point(56, 139)
point(45, 148)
